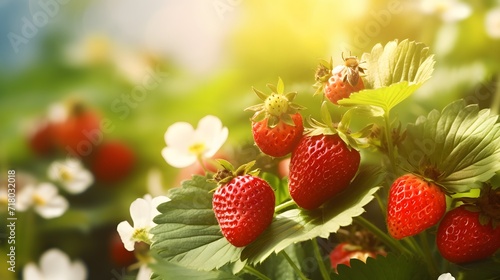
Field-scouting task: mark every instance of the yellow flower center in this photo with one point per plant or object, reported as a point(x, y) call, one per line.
point(65, 174)
point(38, 200)
point(197, 148)
point(141, 235)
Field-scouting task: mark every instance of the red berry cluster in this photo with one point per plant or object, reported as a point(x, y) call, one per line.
point(466, 233)
point(80, 134)
point(322, 164)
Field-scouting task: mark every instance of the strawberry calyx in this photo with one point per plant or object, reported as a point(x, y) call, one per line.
point(322, 75)
point(327, 127)
point(227, 171)
point(489, 205)
point(276, 107)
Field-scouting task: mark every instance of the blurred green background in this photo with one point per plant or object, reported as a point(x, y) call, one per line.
point(144, 65)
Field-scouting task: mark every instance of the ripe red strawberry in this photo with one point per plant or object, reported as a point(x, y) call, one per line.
point(414, 205)
point(280, 140)
point(338, 87)
point(344, 252)
point(80, 132)
point(243, 205)
point(41, 140)
point(276, 125)
point(321, 166)
point(112, 161)
point(341, 81)
point(461, 238)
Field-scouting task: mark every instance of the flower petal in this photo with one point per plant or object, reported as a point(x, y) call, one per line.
point(46, 191)
point(31, 272)
point(140, 213)
point(446, 276)
point(154, 205)
point(25, 198)
point(54, 208)
point(179, 135)
point(144, 273)
point(55, 264)
point(211, 132)
point(78, 271)
point(125, 230)
point(176, 158)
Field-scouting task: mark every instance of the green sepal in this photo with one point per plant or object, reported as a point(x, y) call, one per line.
point(262, 96)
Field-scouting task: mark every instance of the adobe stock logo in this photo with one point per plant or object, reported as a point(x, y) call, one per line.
point(47, 9)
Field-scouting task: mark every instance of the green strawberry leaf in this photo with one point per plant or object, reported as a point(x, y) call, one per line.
point(297, 225)
point(164, 270)
point(459, 147)
point(385, 97)
point(280, 186)
point(397, 62)
point(390, 267)
point(394, 72)
point(187, 232)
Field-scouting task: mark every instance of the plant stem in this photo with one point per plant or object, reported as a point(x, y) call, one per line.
point(284, 205)
point(251, 270)
point(321, 263)
point(427, 251)
point(202, 163)
point(386, 239)
point(390, 145)
point(294, 266)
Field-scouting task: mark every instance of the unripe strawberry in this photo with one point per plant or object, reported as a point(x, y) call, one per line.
point(414, 205)
point(276, 125)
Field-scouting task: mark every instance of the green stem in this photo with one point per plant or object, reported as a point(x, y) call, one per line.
point(283, 206)
point(251, 270)
point(199, 157)
point(386, 239)
point(428, 254)
point(390, 145)
point(319, 258)
point(415, 246)
point(381, 204)
point(294, 266)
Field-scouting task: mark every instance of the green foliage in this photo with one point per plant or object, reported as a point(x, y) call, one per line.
point(397, 62)
point(298, 225)
point(458, 147)
point(168, 271)
point(391, 267)
point(188, 233)
point(395, 71)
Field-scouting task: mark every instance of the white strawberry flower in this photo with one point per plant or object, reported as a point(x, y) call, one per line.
point(448, 10)
point(44, 198)
point(446, 276)
point(186, 145)
point(71, 174)
point(55, 265)
point(142, 211)
point(492, 22)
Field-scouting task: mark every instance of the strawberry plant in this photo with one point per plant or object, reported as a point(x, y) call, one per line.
point(410, 185)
